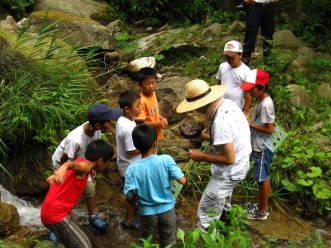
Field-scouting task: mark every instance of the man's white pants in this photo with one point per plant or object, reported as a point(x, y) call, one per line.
point(217, 196)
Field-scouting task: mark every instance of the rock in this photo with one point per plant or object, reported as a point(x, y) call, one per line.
point(286, 39)
point(9, 219)
point(166, 108)
point(173, 90)
point(10, 22)
point(304, 54)
point(116, 26)
point(135, 65)
point(300, 98)
point(82, 8)
point(146, 42)
point(324, 91)
point(74, 29)
point(214, 30)
point(190, 129)
point(236, 27)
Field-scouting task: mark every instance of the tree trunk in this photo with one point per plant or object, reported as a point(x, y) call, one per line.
point(297, 10)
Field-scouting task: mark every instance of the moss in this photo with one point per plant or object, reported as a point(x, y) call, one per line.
point(55, 15)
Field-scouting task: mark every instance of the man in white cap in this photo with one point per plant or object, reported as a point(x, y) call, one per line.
point(233, 73)
point(230, 146)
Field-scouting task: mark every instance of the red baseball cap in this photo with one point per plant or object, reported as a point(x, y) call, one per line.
point(256, 76)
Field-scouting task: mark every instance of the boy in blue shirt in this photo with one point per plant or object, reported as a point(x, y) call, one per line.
point(257, 85)
point(150, 178)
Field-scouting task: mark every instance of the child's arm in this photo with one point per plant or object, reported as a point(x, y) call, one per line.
point(182, 180)
point(247, 103)
point(60, 174)
point(268, 128)
point(133, 152)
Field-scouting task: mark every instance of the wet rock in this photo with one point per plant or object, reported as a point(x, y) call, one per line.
point(189, 129)
point(9, 219)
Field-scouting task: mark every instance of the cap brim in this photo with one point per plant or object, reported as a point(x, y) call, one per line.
point(247, 86)
point(229, 53)
point(217, 91)
point(115, 113)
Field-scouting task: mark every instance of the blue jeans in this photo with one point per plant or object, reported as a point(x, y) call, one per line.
point(262, 161)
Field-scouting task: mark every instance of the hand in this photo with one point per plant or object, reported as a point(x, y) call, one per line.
point(59, 176)
point(163, 122)
point(248, 118)
point(195, 154)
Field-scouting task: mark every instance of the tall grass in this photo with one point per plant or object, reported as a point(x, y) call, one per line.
point(47, 93)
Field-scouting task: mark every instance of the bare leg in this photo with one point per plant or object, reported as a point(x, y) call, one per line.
point(264, 191)
point(90, 205)
point(129, 211)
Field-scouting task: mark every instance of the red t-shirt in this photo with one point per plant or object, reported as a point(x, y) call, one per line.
point(60, 200)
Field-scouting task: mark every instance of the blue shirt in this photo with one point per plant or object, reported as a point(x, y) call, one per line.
point(150, 178)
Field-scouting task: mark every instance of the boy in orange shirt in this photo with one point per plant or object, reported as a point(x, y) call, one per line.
point(150, 115)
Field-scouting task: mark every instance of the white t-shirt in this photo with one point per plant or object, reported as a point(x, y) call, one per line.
point(265, 109)
point(230, 125)
point(74, 145)
point(124, 143)
point(233, 78)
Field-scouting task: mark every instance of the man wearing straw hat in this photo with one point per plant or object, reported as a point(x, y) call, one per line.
point(229, 149)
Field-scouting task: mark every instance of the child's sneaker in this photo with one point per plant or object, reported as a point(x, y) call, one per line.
point(249, 205)
point(132, 224)
point(254, 214)
point(98, 223)
point(53, 238)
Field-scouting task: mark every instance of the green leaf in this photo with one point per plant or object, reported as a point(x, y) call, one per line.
point(316, 172)
point(321, 193)
point(290, 186)
point(122, 37)
point(304, 182)
point(180, 234)
point(166, 47)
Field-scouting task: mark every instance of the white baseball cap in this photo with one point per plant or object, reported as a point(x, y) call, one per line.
point(232, 48)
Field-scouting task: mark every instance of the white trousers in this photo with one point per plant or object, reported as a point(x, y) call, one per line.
point(217, 196)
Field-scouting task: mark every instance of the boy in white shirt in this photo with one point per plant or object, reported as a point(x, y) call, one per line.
point(233, 73)
point(130, 102)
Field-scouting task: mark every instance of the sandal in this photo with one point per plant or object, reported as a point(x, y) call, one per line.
point(132, 224)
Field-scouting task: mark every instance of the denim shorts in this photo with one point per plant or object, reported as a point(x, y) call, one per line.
point(262, 161)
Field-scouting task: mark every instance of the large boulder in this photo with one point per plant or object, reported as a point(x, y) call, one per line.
point(73, 29)
point(82, 8)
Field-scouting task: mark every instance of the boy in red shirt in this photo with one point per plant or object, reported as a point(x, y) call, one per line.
point(66, 187)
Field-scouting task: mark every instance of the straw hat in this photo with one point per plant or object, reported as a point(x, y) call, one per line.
point(198, 94)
